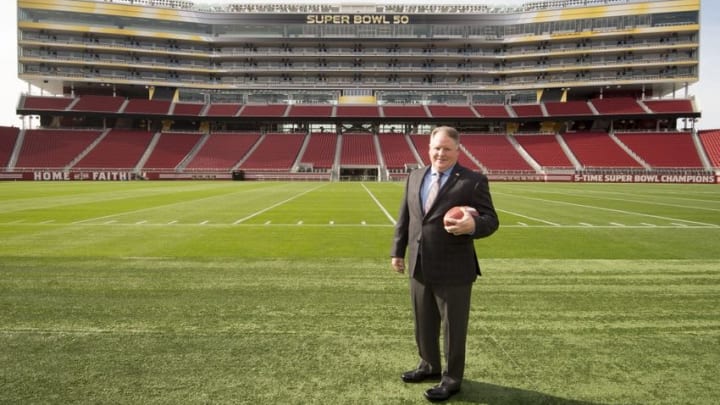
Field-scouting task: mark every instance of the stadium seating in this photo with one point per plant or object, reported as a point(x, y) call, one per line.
point(358, 149)
point(669, 106)
point(187, 109)
point(617, 105)
point(527, 110)
point(8, 138)
point(404, 111)
point(46, 103)
point(711, 142)
point(396, 151)
point(663, 150)
point(597, 150)
point(305, 110)
point(222, 151)
point(451, 111)
point(492, 110)
point(274, 152)
point(222, 110)
point(141, 106)
point(170, 150)
point(370, 111)
point(494, 152)
point(105, 104)
point(569, 108)
point(545, 149)
point(320, 151)
point(263, 110)
point(53, 149)
point(119, 149)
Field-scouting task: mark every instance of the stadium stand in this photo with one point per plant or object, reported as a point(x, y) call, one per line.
point(568, 108)
point(320, 153)
point(494, 152)
point(358, 111)
point(274, 152)
point(8, 139)
point(663, 150)
point(597, 149)
point(170, 150)
point(49, 148)
point(545, 150)
point(98, 104)
point(187, 109)
point(222, 151)
point(306, 95)
point(451, 111)
point(263, 110)
point(404, 111)
point(119, 149)
point(139, 106)
point(222, 110)
point(46, 103)
point(396, 151)
point(358, 149)
point(711, 142)
point(315, 111)
point(492, 111)
point(617, 105)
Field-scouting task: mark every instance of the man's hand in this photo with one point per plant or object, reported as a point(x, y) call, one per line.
point(462, 226)
point(398, 264)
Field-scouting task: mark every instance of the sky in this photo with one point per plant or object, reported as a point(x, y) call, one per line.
point(704, 91)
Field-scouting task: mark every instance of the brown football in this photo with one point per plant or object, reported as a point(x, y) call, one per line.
point(458, 212)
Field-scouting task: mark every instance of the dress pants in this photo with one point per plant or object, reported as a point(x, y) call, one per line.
point(439, 307)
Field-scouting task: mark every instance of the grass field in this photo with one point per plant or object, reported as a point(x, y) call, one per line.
point(282, 293)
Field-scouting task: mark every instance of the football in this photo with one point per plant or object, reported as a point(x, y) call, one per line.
point(457, 213)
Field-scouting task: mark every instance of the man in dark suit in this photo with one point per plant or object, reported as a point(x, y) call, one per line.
point(442, 262)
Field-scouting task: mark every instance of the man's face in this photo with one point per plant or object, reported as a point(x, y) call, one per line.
point(443, 152)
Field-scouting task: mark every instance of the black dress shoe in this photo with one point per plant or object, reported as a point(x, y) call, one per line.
point(418, 375)
point(441, 392)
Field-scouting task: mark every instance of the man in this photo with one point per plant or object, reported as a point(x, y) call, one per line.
point(442, 262)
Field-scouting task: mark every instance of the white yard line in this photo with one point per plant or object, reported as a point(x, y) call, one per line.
point(527, 217)
point(617, 210)
point(256, 213)
point(387, 214)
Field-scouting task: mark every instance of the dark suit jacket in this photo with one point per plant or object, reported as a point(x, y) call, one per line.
point(445, 258)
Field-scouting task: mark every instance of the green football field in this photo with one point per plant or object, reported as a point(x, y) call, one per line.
point(282, 293)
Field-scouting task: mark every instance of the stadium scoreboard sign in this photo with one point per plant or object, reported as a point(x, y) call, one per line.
point(375, 19)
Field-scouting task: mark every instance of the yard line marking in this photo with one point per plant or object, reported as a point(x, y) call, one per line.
point(585, 224)
point(613, 210)
point(157, 207)
point(140, 222)
point(387, 214)
point(522, 224)
point(646, 224)
point(49, 221)
point(172, 222)
point(617, 224)
point(112, 221)
point(205, 222)
point(268, 222)
point(505, 352)
point(241, 220)
point(527, 217)
point(677, 224)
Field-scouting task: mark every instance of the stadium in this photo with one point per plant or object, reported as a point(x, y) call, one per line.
point(276, 288)
point(545, 91)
